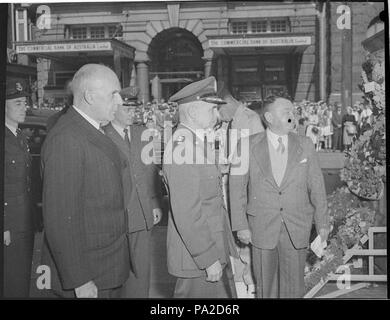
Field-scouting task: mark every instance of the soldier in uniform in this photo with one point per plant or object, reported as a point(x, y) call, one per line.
point(199, 239)
point(18, 215)
point(142, 193)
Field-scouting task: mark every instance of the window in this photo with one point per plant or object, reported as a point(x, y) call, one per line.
point(239, 27)
point(260, 26)
point(21, 25)
point(93, 32)
point(79, 33)
point(278, 25)
point(97, 32)
point(115, 31)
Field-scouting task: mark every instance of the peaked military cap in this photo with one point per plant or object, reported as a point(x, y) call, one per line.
point(15, 89)
point(129, 95)
point(203, 90)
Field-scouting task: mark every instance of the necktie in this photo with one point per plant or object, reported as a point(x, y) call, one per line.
point(281, 148)
point(19, 138)
point(127, 139)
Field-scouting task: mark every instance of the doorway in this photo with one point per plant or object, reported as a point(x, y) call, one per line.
point(176, 59)
point(256, 77)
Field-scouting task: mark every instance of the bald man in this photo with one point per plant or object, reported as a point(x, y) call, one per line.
point(274, 203)
point(85, 245)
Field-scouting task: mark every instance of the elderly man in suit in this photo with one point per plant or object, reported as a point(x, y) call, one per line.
point(199, 239)
point(142, 193)
point(274, 203)
point(85, 245)
point(18, 208)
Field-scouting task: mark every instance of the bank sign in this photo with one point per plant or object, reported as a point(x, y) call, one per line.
point(64, 47)
point(260, 42)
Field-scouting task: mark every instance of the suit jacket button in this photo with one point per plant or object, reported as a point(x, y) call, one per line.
point(13, 161)
point(280, 193)
point(281, 209)
point(5, 203)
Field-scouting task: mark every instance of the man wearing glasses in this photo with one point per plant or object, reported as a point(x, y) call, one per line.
point(141, 190)
point(18, 215)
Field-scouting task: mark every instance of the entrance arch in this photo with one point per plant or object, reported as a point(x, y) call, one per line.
point(176, 59)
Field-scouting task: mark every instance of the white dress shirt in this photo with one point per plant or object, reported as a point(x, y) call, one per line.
point(273, 138)
point(88, 118)
point(120, 129)
point(278, 160)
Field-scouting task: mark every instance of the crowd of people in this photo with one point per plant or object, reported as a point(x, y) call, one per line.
point(102, 197)
point(328, 128)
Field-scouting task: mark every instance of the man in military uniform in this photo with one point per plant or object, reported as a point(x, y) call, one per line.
point(142, 193)
point(18, 215)
point(199, 240)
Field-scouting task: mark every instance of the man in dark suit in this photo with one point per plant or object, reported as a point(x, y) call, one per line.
point(18, 207)
point(337, 129)
point(142, 194)
point(199, 239)
point(85, 245)
point(274, 203)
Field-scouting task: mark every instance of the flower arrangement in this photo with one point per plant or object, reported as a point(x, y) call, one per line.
point(350, 219)
point(364, 169)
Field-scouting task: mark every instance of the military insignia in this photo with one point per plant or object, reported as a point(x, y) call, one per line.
point(18, 86)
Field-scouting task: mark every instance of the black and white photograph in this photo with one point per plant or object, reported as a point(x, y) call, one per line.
point(230, 150)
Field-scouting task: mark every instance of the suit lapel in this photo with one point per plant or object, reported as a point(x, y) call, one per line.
point(117, 139)
point(101, 141)
point(294, 152)
point(261, 154)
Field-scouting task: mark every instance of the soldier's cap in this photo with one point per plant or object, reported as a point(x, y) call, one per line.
point(203, 90)
point(15, 89)
point(129, 94)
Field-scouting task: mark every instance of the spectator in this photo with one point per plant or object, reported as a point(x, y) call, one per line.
point(337, 129)
point(349, 128)
point(327, 130)
point(313, 130)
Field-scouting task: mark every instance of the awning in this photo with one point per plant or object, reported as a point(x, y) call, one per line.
point(73, 48)
point(260, 43)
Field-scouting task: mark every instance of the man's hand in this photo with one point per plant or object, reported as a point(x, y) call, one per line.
point(88, 290)
point(7, 238)
point(324, 232)
point(157, 214)
point(214, 272)
point(245, 236)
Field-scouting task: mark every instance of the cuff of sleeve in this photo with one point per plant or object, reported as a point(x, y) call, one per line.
point(207, 258)
point(240, 226)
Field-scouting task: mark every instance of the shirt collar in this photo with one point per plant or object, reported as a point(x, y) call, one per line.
point(273, 138)
point(120, 129)
point(88, 118)
point(13, 129)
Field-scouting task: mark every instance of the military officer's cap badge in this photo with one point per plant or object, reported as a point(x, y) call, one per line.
point(203, 90)
point(15, 89)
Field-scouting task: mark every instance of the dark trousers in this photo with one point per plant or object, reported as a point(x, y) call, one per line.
point(279, 272)
point(337, 139)
point(17, 265)
point(200, 288)
point(138, 283)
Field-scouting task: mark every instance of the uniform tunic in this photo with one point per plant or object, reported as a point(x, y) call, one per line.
point(18, 216)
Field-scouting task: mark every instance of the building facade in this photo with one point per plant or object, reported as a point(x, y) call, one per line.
point(253, 48)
